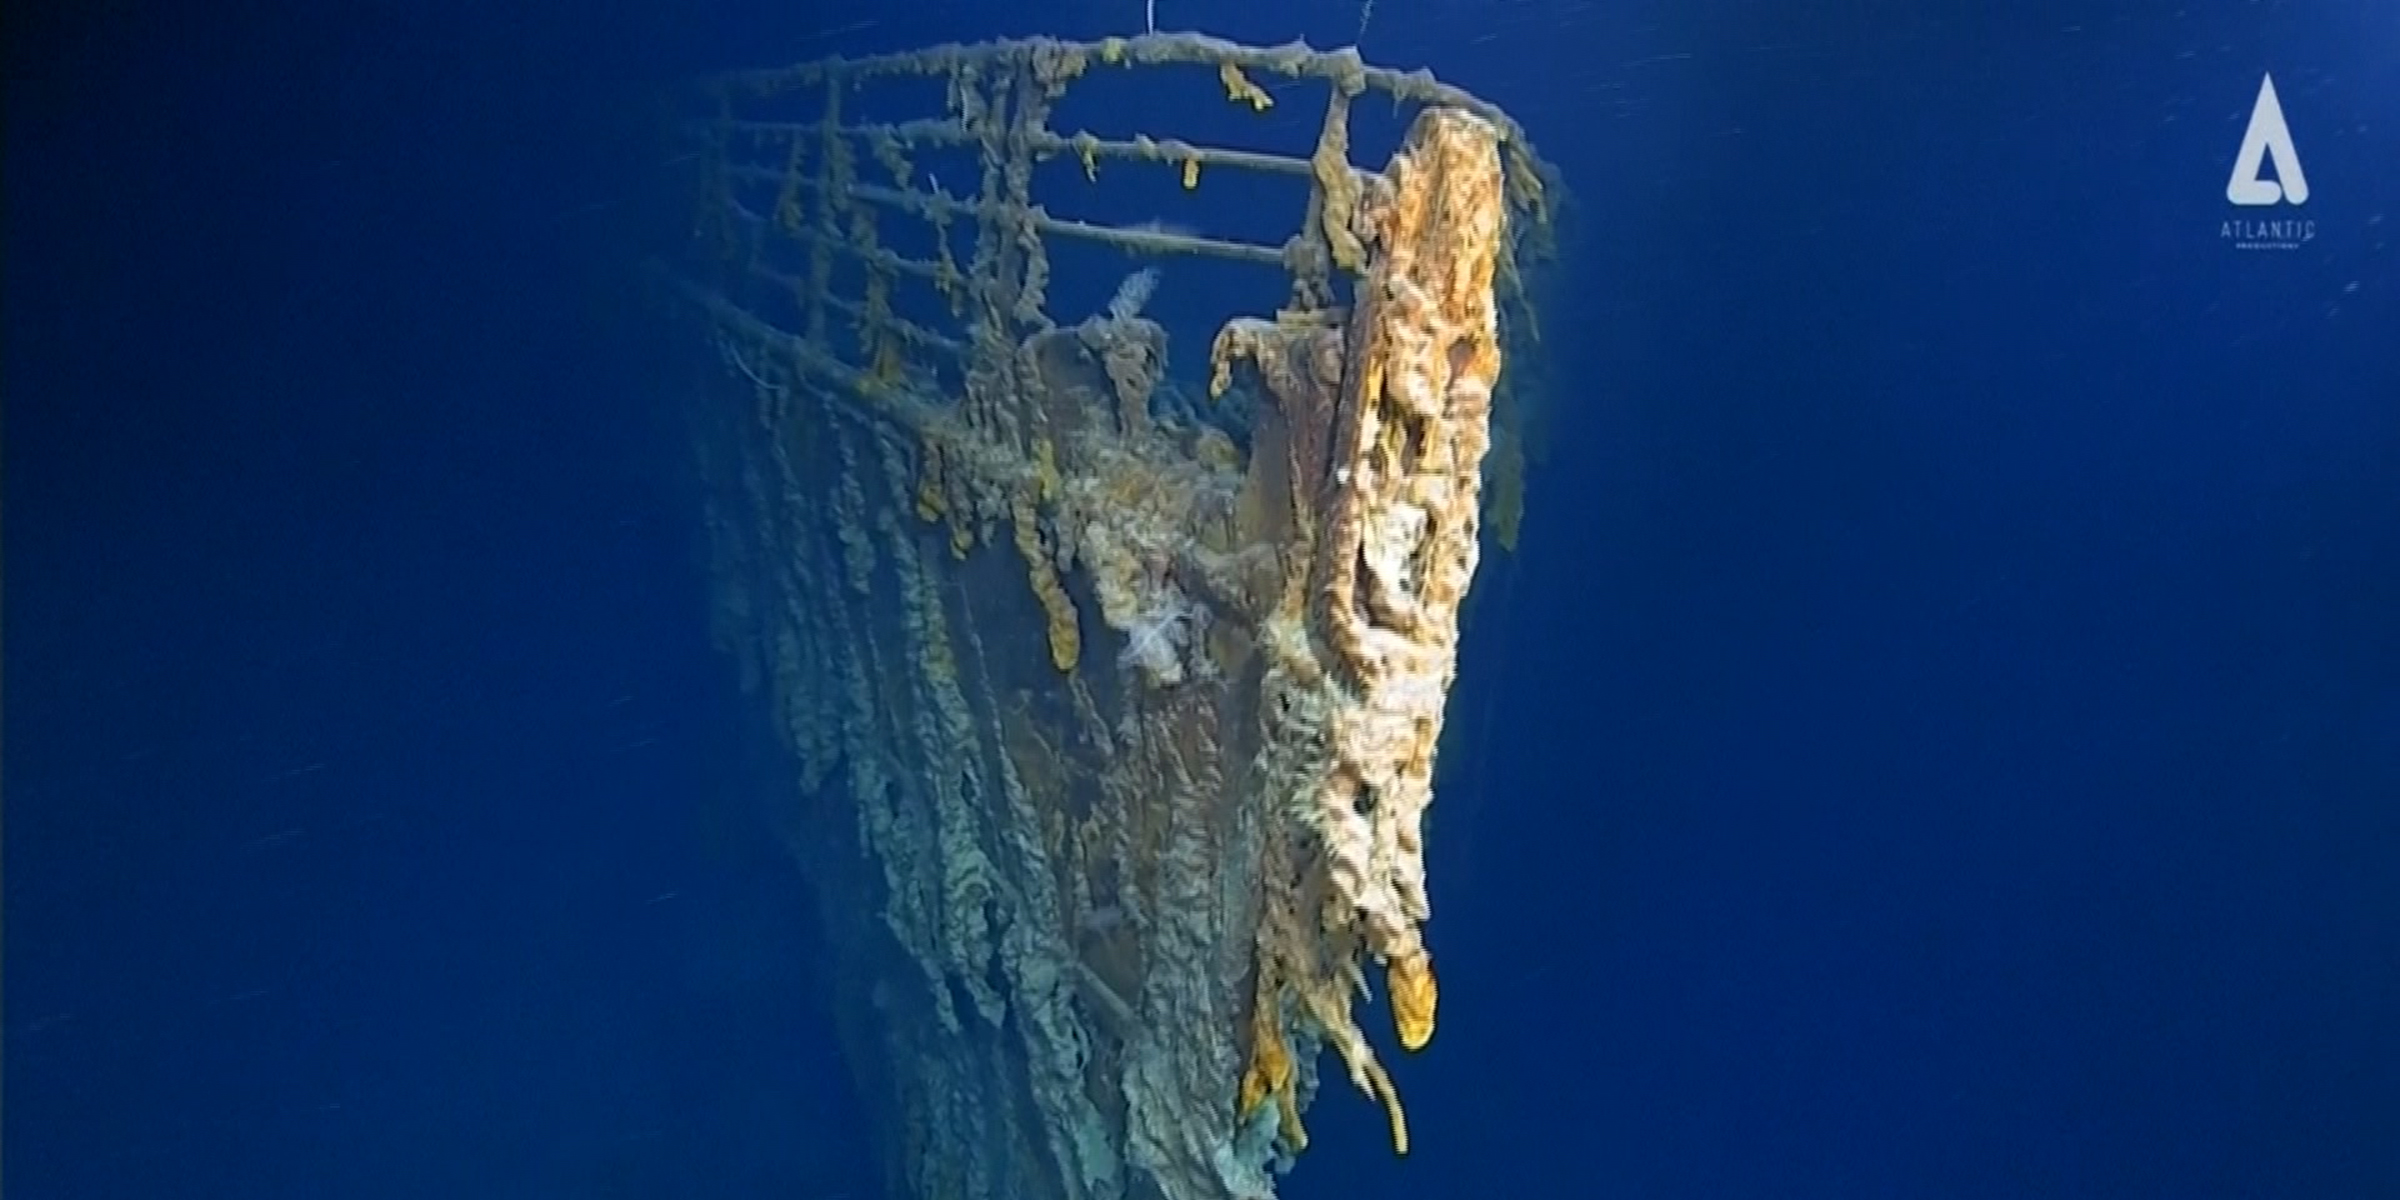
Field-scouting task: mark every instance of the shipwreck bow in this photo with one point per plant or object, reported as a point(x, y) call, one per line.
point(1112, 697)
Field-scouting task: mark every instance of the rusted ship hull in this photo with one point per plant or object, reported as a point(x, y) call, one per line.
point(1112, 723)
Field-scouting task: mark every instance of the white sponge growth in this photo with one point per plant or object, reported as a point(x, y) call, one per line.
point(1158, 636)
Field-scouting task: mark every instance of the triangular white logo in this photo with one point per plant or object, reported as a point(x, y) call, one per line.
point(2267, 135)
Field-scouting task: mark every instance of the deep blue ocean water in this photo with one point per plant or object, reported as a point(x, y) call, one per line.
point(1940, 736)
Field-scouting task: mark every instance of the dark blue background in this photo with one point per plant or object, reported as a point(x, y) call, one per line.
point(1941, 737)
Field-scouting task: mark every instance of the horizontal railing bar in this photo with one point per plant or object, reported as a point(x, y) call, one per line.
point(943, 132)
point(1294, 59)
point(926, 204)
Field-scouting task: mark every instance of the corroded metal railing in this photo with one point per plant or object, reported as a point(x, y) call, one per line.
point(1113, 707)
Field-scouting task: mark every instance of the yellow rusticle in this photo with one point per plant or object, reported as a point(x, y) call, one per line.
point(1410, 981)
point(1066, 640)
point(1270, 1077)
point(1240, 90)
point(1045, 471)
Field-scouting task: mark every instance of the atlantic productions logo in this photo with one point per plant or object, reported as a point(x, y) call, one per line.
point(2271, 219)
